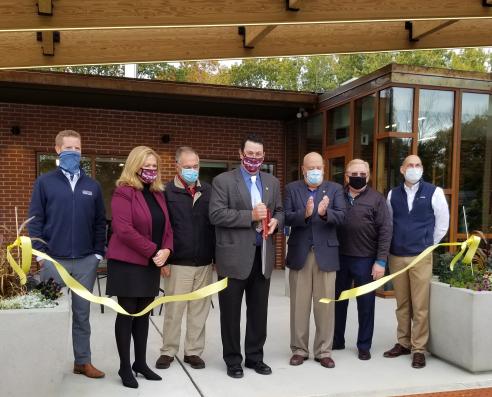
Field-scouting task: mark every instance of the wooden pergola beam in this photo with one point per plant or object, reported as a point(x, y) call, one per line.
point(252, 35)
point(20, 49)
point(420, 29)
point(21, 15)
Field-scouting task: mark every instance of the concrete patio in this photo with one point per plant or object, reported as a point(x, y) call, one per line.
point(351, 377)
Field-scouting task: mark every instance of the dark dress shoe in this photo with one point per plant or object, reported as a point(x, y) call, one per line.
point(163, 362)
point(418, 360)
point(235, 371)
point(337, 346)
point(145, 371)
point(195, 362)
point(127, 378)
point(88, 370)
point(260, 367)
point(297, 359)
point(326, 362)
point(364, 354)
point(396, 351)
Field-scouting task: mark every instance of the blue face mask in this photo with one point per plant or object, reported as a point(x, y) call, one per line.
point(314, 177)
point(189, 175)
point(70, 161)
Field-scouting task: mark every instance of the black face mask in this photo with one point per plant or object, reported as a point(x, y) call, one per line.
point(357, 182)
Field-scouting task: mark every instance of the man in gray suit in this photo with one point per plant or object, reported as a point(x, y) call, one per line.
point(241, 199)
point(313, 209)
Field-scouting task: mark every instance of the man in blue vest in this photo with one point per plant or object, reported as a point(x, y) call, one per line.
point(420, 216)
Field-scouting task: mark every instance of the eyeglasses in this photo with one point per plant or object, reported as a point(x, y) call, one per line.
point(257, 155)
point(362, 174)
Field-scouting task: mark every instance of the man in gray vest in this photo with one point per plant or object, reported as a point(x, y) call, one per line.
point(420, 216)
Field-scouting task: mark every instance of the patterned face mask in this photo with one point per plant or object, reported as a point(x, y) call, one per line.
point(147, 175)
point(251, 164)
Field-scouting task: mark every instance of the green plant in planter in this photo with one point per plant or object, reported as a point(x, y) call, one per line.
point(477, 276)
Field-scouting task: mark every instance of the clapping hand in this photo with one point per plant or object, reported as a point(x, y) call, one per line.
point(309, 207)
point(323, 205)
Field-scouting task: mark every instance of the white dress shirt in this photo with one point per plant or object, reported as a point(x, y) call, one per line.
point(439, 205)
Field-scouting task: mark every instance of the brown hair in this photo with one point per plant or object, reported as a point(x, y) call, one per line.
point(65, 133)
point(133, 163)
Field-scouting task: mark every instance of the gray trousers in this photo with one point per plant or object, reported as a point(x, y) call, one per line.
point(84, 271)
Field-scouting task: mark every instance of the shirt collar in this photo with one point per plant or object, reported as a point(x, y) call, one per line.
point(413, 188)
point(68, 174)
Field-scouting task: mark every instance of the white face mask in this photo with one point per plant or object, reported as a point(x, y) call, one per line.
point(413, 175)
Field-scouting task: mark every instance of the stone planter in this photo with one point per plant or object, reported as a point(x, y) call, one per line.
point(460, 323)
point(34, 349)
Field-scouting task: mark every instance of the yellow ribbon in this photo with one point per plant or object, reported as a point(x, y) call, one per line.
point(24, 243)
point(469, 246)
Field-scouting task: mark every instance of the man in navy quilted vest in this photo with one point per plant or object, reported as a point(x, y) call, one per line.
point(420, 216)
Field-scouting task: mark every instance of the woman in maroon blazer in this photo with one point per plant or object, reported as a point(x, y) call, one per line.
point(141, 242)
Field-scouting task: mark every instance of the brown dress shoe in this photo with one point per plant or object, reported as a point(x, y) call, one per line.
point(195, 362)
point(326, 362)
point(163, 362)
point(397, 350)
point(297, 359)
point(88, 370)
point(364, 355)
point(418, 360)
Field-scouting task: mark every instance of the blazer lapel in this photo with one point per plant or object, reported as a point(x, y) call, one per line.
point(242, 188)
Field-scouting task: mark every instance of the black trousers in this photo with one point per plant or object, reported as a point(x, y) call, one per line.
point(256, 287)
point(127, 326)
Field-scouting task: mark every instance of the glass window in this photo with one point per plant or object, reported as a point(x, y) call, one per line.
point(336, 168)
point(48, 162)
point(475, 192)
point(396, 109)
point(391, 153)
point(339, 125)
point(364, 128)
point(108, 170)
point(435, 132)
point(210, 169)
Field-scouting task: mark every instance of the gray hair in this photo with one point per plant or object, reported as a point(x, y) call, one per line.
point(184, 149)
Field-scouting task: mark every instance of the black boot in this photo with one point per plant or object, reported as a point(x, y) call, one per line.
point(127, 378)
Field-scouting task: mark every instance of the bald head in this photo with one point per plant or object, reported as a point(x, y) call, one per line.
point(313, 163)
point(412, 169)
point(312, 158)
point(412, 159)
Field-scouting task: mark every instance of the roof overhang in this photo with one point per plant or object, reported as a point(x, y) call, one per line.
point(64, 89)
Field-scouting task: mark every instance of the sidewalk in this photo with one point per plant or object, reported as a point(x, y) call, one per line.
point(351, 377)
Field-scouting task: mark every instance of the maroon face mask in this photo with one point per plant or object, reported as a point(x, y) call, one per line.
point(251, 164)
point(148, 175)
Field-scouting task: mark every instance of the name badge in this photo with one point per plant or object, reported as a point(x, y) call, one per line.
point(87, 192)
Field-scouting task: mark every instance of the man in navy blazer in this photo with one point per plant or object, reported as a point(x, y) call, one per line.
point(313, 209)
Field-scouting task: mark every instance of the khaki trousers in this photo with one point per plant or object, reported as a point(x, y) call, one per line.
point(310, 285)
point(185, 279)
point(412, 290)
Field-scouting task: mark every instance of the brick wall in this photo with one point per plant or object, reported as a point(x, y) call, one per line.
point(112, 132)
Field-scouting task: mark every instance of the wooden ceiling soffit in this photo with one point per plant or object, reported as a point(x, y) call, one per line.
point(36, 15)
point(85, 47)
